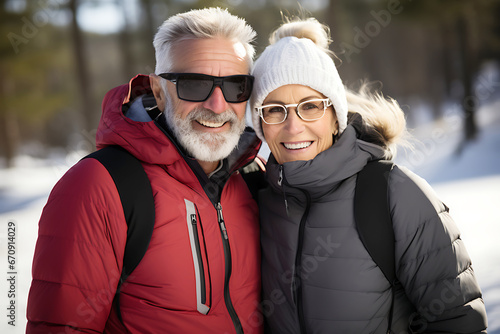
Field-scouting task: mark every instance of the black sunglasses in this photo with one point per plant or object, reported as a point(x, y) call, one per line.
point(195, 87)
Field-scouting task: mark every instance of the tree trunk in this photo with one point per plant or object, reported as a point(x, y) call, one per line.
point(468, 64)
point(447, 46)
point(148, 35)
point(126, 42)
point(9, 136)
point(86, 105)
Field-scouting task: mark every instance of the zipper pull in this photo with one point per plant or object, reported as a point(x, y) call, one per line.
point(221, 220)
point(193, 219)
point(280, 183)
point(280, 178)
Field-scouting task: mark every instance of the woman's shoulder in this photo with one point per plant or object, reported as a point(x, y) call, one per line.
point(411, 198)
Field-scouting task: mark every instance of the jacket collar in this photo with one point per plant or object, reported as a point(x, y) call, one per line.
point(148, 140)
point(346, 157)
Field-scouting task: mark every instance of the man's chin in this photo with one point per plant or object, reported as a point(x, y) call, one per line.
point(207, 146)
point(212, 149)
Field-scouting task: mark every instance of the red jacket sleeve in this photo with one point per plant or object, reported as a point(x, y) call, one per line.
point(79, 253)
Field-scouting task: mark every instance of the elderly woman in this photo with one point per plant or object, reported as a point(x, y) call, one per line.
point(317, 275)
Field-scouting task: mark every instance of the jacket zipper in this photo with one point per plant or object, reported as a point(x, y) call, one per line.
point(297, 281)
point(201, 291)
point(227, 275)
point(281, 178)
point(296, 278)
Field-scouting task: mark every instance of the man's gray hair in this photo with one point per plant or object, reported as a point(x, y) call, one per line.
point(199, 24)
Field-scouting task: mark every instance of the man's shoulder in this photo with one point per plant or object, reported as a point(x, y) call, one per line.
point(88, 175)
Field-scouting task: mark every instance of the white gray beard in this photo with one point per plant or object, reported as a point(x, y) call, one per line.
point(205, 146)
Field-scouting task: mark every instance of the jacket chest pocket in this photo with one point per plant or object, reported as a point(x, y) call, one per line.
point(200, 259)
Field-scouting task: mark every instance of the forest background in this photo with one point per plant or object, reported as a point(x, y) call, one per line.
point(59, 57)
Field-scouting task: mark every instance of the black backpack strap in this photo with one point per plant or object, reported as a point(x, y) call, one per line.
point(137, 200)
point(373, 219)
point(254, 175)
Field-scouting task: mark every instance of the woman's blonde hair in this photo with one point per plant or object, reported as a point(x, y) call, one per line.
point(383, 117)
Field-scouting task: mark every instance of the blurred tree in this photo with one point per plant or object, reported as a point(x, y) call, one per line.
point(8, 120)
point(469, 38)
point(468, 54)
point(148, 29)
point(428, 50)
point(82, 68)
point(125, 38)
point(33, 75)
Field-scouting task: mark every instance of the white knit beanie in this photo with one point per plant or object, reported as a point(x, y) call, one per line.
point(293, 60)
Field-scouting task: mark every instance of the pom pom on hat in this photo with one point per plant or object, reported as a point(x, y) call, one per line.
point(299, 61)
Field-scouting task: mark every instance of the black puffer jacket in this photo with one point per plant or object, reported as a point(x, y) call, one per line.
point(319, 278)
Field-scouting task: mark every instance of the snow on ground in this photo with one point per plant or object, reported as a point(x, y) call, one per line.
point(473, 205)
point(469, 184)
point(23, 193)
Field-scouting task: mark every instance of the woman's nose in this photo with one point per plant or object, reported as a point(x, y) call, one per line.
point(293, 123)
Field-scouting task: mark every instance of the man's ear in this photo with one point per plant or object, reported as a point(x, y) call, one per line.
point(155, 83)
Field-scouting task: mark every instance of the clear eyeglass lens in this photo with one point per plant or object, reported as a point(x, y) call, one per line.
point(308, 110)
point(274, 114)
point(311, 110)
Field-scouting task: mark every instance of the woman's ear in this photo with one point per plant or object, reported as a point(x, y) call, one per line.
point(336, 128)
point(155, 83)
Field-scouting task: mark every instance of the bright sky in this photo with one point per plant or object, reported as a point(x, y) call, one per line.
point(105, 18)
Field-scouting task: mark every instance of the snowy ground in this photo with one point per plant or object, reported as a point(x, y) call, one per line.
point(468, 184)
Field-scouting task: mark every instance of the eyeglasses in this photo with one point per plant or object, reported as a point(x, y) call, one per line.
point(309, 111)
point(195, 87)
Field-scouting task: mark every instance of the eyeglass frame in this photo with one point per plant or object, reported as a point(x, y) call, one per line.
point(327, 103)
point(216, 82)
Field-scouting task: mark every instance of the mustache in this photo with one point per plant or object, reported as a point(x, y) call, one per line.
point(208, 115)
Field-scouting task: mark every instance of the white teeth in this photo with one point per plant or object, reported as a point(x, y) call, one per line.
point(209, 124)
point(298, 145)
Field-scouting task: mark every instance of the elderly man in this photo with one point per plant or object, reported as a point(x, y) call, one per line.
point(186, 125)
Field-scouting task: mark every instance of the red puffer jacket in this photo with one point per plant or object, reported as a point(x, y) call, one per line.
point(194, 277)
